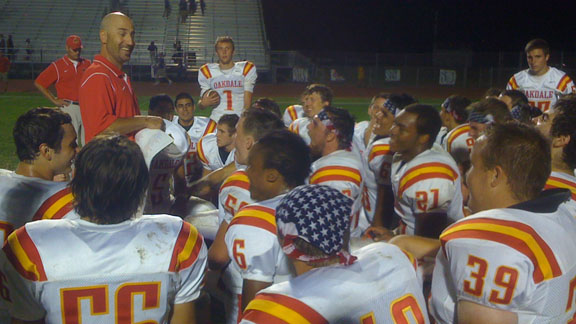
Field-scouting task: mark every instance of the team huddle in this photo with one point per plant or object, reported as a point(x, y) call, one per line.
point(463, 213)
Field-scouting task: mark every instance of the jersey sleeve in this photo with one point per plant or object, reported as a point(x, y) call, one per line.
point(512, 84)
point(48, 76)
point(345, 179)
point(189, 260)
point(566, 85)
point(250, 76)
point(204, 75)
point(233, 195)
point(380, 164)
point(21, 269)
point(201, 153)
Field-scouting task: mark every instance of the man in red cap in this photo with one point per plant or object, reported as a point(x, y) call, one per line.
point(107, 100)
point(66, 73)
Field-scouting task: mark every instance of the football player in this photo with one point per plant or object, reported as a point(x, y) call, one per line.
point(316, 97)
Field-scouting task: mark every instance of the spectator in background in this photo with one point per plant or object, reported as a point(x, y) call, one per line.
point(2, 44)
point(29, 49)
point(202, 6)
point(192, 7)
point(183, 6)
point(160, 70)
point(167, 9)
point(153, 50)
point(4, 68)
point(10, 48)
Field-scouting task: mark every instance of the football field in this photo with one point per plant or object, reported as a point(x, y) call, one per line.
point(13, 104)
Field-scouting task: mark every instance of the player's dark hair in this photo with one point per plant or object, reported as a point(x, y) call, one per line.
point(224, 39)
point(518, 97)
point(564, 124)
point(111, 180)
point(494, 107)
point(343, 123)
point(287, 153)
point(230, 120)
point(161, 106)
point(428, 121)
point(537, 44)
point(183, 95)
point(259, 122)
point(381, 95)
point(324, 91)
point(458, 104)
point(514, 146)
point(401, 100)
point(36, 127)
point(492, 93)
point(311, 250)
point(268, 104)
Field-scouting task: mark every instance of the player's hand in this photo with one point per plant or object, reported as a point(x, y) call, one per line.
point(210, 99)
point(61, 102)
point(378, 233)
point(154, 122)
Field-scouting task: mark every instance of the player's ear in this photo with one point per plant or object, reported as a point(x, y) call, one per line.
point(271, 175)
point(497, 177)
point(103, 37)
point(45, 151)
point(249, 141)
point(561, 141)
point(423, 139)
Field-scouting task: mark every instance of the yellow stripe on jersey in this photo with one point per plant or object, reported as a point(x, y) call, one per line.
point(278, 310)
point(563, 83)
point(379, 149)
point(513, 84)
point(426, 171)
point(457, 132)
point(190, 246)
point(260, 213)
point(58, 205)
point(247, 68)
point(22, 253)
point(336, 171)
point(206, 71)
point(200, 151)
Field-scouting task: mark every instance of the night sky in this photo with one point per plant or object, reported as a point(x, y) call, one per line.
point(408, 25)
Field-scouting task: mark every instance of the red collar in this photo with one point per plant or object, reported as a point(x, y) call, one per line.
point(101, 59)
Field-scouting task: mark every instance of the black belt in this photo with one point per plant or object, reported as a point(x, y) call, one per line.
point(73, 102)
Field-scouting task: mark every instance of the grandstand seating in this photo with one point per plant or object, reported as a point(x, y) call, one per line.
point(48, 22)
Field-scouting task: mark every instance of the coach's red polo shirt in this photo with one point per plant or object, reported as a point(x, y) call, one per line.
point(65, 75)
point(4, 64)
point(105, 95)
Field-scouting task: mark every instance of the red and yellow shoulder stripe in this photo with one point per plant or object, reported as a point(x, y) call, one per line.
point(205, 70)
point(378, 150)
point(411, 258)
point(200, 152)
point(247, 67)
point(512, 83)
point(187, 248)
point(460, 130)
point(516, 235)
point(57, 206)
point(294, 128)
point(237, 179)
point(292, 112)
point(336, 173)
point(257, 216)
point(563, 83)
point(280, 309)
point(433, 170)
point(210, 128)
point(23, 254)
point(556, 182)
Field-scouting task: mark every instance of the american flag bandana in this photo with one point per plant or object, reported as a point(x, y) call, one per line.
point(446, 105)
point(391, 107)
point(320, 215)
point(481, 118)
point(325, 119)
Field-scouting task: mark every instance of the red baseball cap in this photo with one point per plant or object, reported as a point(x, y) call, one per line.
point(74, 42)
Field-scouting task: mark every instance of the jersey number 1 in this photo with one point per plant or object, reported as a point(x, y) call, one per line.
point(228, 94)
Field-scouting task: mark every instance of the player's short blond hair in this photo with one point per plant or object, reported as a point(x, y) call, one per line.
point(538, 44)
point(224, 39)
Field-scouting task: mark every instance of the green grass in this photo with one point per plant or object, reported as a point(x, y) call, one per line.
point(13, 104)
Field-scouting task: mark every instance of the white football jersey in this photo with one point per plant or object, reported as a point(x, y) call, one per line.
point(134, 271)
point(208, 154)
point(514, 259)
point(564, 181)
point(377, 164)
point(24, 199)
point(542, 91)
point(341, 171)
point(441, 137)
point(300, 127)
point(359, 140)
point(234, 194)
point(381, 286)
point(292, 113)
point(230, 85)
point(253, 245)
point(459, 140)
point(429, 183)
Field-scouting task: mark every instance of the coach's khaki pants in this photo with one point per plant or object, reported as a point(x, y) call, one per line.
point(74, 112)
